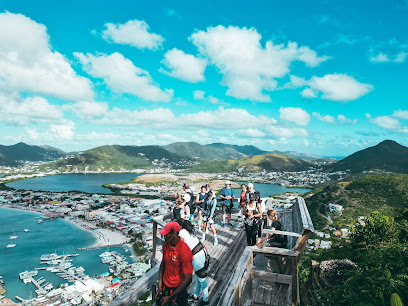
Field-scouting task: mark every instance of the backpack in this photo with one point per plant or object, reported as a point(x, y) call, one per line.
point(282, 239)
point(192, 204)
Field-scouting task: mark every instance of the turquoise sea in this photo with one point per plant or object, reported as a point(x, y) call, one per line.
point(44, 238)
point(91, 183)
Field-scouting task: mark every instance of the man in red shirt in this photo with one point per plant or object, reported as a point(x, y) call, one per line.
point(176, 268)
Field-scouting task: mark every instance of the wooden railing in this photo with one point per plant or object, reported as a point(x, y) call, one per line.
point(286, 261)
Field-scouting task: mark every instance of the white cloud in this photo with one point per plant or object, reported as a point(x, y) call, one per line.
point(339, 87)
point(285, 132)
point(249, 69)
point(27, 62)
point(19, 111)
point(401, 57)
point(308, 93)
point(252, 133)
point(380, 58)
point(122, 76)
point(386, 122)
point(342, 119)
point(294, 114)
point(134, 32)
point(295, 82)
point(63, 131)
point(89, 109)
point(184, 66)
point(198, 94)
point(402, 114)
point(326, 118)
point(56, 133)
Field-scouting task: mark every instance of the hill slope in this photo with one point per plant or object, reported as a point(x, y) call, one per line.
point(218, 151)
point(20, 152)
point(117, 158)
point(387, 155)
point(361, 196)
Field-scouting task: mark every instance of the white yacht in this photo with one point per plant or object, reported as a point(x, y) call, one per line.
point(26, 274)
point(50, 257)
point(26, 230)
point(14, 236)
point(11, 244)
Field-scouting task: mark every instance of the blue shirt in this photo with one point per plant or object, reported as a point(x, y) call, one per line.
point(227, 192)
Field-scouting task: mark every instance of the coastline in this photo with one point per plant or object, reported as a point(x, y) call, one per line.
point(103, 237)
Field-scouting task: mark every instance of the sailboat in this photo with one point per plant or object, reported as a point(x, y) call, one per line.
point(12, 244)
point(14, 235)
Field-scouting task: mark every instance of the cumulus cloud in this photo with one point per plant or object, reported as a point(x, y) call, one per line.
point(134, 32)
point(285, 132)
point(339, 87)
point(252, 133)
point(28, 63)
point(341, 119)
point(198, 94)
point(247, 67)
point(402, 114)
point(122, 76)
point(385, 58)
point(19, 111)
point(56, 133)
point(308, 93)
point(294, 114)
point(385, 122)
point(184, 66)
point(89, 109)
point(326, 118)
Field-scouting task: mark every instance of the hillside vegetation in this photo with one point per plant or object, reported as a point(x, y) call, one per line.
point(387, 193)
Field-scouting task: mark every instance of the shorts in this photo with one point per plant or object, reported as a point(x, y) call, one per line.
point(181, 299)
point(209, 220)
point(226, 208)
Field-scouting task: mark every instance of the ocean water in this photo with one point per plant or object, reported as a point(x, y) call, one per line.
point(44, 238)
point(91, 183)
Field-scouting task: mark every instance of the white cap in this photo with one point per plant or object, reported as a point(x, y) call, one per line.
point(227, 182)
point(250, 185)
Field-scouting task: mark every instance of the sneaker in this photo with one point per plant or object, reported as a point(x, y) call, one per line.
point(230, 224)
point(215, 241)
point(193, 297)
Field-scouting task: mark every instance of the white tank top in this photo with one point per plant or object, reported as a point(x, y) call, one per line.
point(190, 240)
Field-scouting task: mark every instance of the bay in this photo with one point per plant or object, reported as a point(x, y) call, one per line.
point(91, 182)
point(48, 237)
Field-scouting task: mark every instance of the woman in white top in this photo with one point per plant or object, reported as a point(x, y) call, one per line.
point(200, 258)
point(252, 212)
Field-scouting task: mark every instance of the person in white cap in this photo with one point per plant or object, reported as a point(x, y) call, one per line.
point(227, 195)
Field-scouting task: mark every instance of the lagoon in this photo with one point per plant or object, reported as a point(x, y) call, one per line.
point(91, 183)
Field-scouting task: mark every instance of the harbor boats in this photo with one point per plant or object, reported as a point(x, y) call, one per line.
point(14, 236)
point(50, 257)
point(11, 244)
point(27, 274)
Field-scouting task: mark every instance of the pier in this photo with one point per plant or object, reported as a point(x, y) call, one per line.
point(40, 289)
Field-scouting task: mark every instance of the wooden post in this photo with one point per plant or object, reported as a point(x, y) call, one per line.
point(154, 293)
point(154, 241)
point(295, 282)
point(249, 276)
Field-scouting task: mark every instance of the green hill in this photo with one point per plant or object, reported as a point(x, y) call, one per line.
point(21, 152)
point(387, 193)
point(387, 156)
point(269, 162)
point(213, 151)
point(108, 158)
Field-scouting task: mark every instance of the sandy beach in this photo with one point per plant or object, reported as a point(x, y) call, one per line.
point(104, 237)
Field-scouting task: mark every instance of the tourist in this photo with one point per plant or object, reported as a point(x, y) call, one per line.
point(249, 191)
point(276, 240)
point(178, 210)
point(252, 212)
point(227, 195)
point(200, 200)
point(242, 200)
point(191, 204)
point(176, 269)
point(201, 259)
point(186, 206)
point(261, 219)
point(208, 216)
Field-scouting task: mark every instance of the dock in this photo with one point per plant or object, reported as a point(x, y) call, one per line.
point(102, 246)
point(40, 289)
point(239, 274)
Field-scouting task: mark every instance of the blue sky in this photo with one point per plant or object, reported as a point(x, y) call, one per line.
point(325, 77)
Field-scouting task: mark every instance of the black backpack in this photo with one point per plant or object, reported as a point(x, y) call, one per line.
point(283, 239)
point(192, 204)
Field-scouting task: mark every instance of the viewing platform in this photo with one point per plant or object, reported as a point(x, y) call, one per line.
point(239, 274)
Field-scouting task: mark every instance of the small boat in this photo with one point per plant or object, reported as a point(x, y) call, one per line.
point(26, 230)
point(14, 236)
point(1, 280)
point(12, 244)
point(40, 221)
